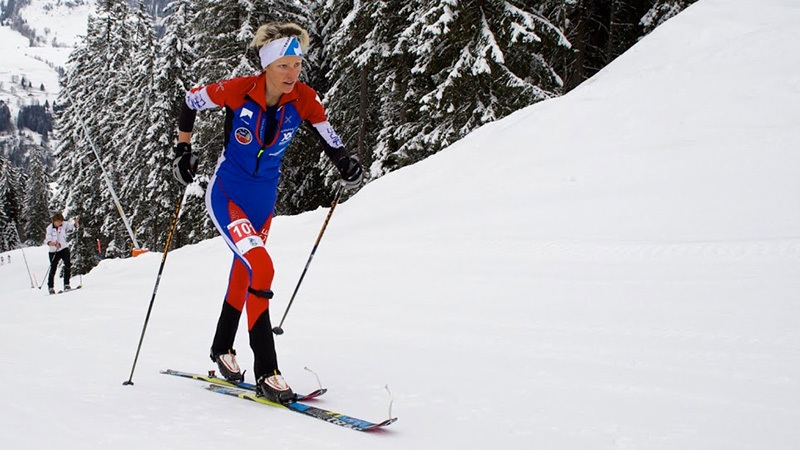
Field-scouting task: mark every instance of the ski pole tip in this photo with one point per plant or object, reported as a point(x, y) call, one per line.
point(127, 383)
point(278, 330)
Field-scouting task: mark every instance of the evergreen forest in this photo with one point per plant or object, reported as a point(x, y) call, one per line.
point(400, 80)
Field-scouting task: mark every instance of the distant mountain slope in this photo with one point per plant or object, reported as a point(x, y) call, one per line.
point(37, 37)
point(28, 75)
point(57, 23)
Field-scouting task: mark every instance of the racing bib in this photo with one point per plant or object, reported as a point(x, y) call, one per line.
point(244, 236)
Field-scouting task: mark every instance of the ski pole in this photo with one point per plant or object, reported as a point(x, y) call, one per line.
point(46, 274)
point(279, 329)
point(172, 227)
point(78, 255)
point(22, 249)
point(105, 174)
point(30, 275)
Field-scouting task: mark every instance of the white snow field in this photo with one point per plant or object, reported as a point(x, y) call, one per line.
point(618, 268)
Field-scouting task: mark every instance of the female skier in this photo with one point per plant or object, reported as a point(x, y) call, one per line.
point(263, 113)
point(55, 236)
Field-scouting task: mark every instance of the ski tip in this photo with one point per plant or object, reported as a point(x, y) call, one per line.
point(379, 426)
point(310, 395)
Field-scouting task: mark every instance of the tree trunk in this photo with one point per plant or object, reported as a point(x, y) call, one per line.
point(363, 110)
point(576, 75)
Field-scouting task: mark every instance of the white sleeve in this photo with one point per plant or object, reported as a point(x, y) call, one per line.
point(199, 100)
point(327, 132)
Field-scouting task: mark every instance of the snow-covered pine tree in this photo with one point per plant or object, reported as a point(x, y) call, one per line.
point(354, 54)
point(75, 166)
point(220, 37)
point(477, 62)
point(120, 53)
point(6, 124)
point(398, 115)
point(410, 77)
point(36, 210)
point(12, 182)
point(134, 126)
point(171, 81)
point(662, 11)
point(96, 78)
point(601, 31)
point(5, 217)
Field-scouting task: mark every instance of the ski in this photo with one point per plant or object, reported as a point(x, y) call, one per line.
point(210, 378)
point(70, 290)
point(318, 413)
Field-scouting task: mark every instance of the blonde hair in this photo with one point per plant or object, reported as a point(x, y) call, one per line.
point(276, 30)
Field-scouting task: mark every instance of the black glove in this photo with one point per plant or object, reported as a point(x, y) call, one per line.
point(184, 166)
point(352, 173)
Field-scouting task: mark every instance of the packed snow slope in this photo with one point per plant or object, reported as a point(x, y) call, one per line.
point(616, 268)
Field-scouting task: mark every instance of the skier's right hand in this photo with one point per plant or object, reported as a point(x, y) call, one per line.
point(184, 166)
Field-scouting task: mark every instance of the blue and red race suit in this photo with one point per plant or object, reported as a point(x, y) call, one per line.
point(241, 195)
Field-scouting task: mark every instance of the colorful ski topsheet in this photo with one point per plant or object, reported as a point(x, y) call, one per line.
point(210, 379)
point(246, 391)
point(335, 418)
point(239, 384)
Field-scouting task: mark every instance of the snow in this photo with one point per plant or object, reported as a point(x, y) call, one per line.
point(615, 268)
point(36, 64)
point(57, 21)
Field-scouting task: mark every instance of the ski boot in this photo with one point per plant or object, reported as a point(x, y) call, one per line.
point(228, 367)
point(51, 290)
point(274, 388)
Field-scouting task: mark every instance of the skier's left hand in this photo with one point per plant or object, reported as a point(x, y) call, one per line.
point(352, 173)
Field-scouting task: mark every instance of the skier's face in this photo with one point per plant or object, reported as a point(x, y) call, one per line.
point(57, 223)
point(282, 74)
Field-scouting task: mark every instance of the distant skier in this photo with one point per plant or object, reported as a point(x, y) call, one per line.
point(263, 113)
point(58, 247)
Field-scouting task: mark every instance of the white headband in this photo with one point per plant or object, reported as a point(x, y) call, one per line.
point(271, 51)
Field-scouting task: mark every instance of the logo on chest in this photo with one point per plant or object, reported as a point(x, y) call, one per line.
point(243, 135)
point(287, 135)
point(245, 114)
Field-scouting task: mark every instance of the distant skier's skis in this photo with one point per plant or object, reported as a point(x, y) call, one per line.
point(69, 290)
